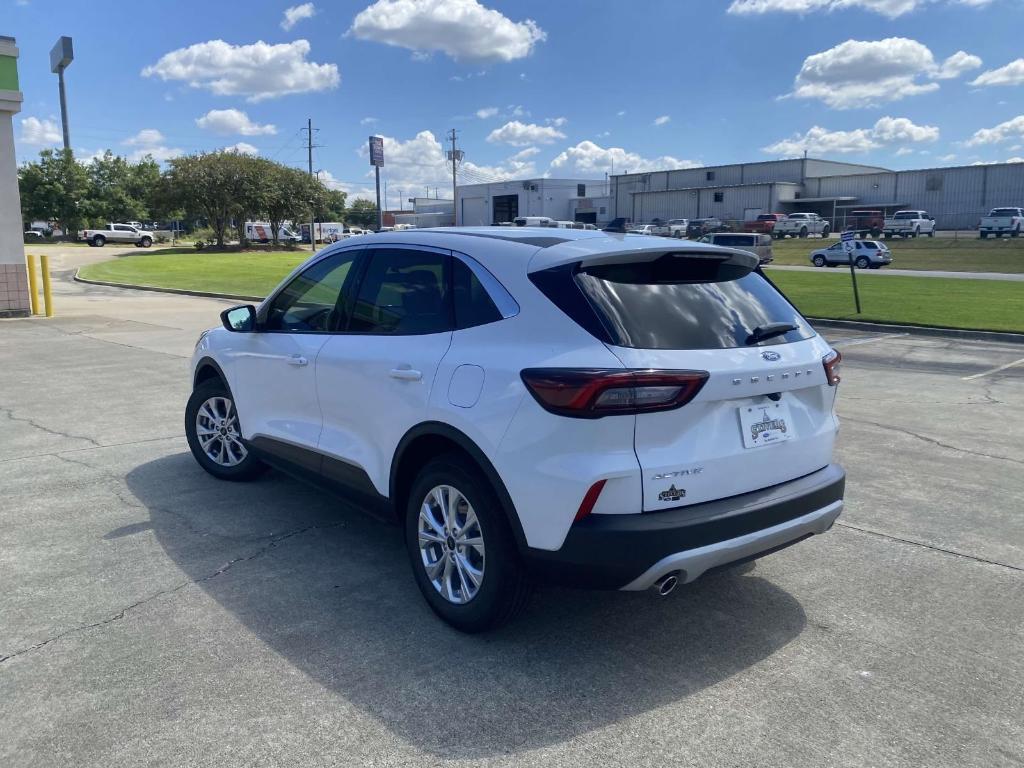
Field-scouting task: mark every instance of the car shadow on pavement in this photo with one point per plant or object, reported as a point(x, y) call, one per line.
point(330, 590)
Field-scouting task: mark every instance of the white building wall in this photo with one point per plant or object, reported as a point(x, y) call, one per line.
point(537, 197)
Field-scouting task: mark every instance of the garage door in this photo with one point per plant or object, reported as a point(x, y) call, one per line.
point(474, 212)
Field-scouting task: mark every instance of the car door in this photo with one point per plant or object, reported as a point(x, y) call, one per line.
point(836, 254)
point(375, 379)
point(272, 371)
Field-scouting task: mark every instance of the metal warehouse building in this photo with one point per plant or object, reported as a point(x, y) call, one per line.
point(559, 199)
point(957, 197)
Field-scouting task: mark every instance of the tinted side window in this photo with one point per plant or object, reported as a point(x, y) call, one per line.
point(311, 303)
point(473, 305)
point(404, 292)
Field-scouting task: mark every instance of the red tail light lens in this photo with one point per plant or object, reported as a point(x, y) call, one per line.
point(831, 362)
point(587, 393)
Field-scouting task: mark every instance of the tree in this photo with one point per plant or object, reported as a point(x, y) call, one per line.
point(119, 190)
point(217, 186)
point(362, 213)
point(54, 189)
point(334, 205)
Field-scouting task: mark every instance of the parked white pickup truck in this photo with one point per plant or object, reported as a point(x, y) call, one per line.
point(657, 228)
point(1001, 220)
point(801, 225)
point(116, 233)
point(909, 224)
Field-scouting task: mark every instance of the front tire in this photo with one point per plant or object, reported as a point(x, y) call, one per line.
point(146, 242)
point(461, 548)
point(818, 261)
point(803, 232)
point(826, 232)
point(214, 436)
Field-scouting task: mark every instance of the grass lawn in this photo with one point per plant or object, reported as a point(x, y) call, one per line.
point(242, 274)
point(990, 305)
point(943, 302)
point(942, 253)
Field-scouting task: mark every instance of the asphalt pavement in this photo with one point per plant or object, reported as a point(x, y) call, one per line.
point(155, 616)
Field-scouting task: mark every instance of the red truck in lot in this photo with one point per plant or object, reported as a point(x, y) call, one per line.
point(763, 224)
point(865, 223)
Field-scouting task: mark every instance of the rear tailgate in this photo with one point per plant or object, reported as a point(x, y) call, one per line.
point(735, 436)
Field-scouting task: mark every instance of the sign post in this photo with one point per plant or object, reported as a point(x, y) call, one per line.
point(848, 239)
point(377, 161)
point(61, 56)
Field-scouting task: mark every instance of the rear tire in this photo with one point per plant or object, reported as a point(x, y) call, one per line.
point(446, 560)
point(1015, 233)
point(211, 428)
point(99, 241)
point(983, 235)
point(932, 233)
point(862, 262)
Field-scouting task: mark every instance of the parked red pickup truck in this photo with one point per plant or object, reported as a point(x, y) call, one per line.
point(764, 224)
point(865, 223)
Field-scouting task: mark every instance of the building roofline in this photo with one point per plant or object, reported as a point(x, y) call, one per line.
point(751, 162)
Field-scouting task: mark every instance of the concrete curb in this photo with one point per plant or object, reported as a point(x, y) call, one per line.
point(178, 291)
point(920, 330)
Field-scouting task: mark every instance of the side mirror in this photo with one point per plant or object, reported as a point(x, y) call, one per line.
point(240, 319)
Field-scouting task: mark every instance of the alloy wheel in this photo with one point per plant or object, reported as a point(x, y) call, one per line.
point(451, 544)
point(218, 433)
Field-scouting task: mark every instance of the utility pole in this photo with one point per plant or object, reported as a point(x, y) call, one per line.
point(455, 155)
point(312, 214)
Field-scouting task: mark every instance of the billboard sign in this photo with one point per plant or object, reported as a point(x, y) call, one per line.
point(377, 151)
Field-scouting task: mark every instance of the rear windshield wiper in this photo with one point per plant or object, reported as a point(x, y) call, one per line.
point(769, 331)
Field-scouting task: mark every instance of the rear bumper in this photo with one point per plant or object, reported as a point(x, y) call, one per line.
point(633, 551)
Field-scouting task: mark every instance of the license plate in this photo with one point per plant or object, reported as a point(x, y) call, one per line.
point(765, 424)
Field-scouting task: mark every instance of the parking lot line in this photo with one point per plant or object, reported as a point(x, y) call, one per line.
point(868, 339)
point(993, 370)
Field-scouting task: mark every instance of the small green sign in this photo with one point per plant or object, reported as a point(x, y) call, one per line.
point(8, 73)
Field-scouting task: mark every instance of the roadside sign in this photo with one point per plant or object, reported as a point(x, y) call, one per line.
point(848, 240)
point(377, 151)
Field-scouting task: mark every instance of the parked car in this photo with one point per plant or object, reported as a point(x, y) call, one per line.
point(677, 227)
point(909, 224)
point(116, 233)
point(33, 234)
point(764, 223)
point(801, 225)
point(532, 407)
point(866, 253)
point(697, 228)
point(659, 230)
point(865, 223)
point(1001, 221)
point(752, 242)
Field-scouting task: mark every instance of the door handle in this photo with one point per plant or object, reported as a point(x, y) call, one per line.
point(405, 373)
point(297, 360)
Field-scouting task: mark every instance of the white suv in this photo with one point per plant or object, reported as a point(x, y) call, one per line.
point(531, 405)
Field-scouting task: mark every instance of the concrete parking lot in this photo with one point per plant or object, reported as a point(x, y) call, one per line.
point(154, 616)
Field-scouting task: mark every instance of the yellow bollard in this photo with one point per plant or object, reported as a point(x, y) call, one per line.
point(44, 263)
point(33, 286)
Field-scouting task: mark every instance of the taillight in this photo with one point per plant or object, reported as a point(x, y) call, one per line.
point(831, 362)
point(589, 393)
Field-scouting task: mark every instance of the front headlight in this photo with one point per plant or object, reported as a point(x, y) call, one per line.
point(200, 339)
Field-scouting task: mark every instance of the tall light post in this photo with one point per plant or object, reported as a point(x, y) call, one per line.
point(61, 55)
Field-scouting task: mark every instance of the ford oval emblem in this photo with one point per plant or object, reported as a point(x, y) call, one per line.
point(770, 356)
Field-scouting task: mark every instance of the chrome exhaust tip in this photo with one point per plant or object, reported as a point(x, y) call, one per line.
point(666, 584)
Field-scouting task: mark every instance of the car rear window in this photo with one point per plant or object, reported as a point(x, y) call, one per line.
point(1004, 212)
point(669, 304)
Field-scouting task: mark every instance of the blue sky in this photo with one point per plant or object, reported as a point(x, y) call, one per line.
point(569, 88)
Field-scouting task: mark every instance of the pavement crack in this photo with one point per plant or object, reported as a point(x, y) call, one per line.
point(120, 614)
point(9, 412)
point(932, 440)
point(932, 547)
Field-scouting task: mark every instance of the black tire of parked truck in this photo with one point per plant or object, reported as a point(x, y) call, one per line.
point(146, 242)
point(99, 241)
point(826, 232)
point(803, 232)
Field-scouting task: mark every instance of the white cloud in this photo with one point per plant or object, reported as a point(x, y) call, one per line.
point(1011, 129)
point(414, 163)
point(888, 131)
point(368, 121)
point(258, 71)
point(149, 141)
point(590, 158)
point(486, 112)
point(889, 8)
point(904, 151)
point(297, 13)
point(1011, 74)
point(947, 158)
point(39, 133)
point(520, 134)
point(462, 29)
point(558, 122)
point(242, 148)
point(621, 112)
point(662, 120)
point(228, 122)
point(957, 64)
point(866, 73)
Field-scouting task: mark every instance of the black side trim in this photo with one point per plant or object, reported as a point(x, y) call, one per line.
point(441, 429)
point(334, 475)
point(205, 363)
point(609, 551)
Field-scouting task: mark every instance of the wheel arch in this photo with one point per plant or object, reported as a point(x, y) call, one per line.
point(429, 439)
point(208, 368)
